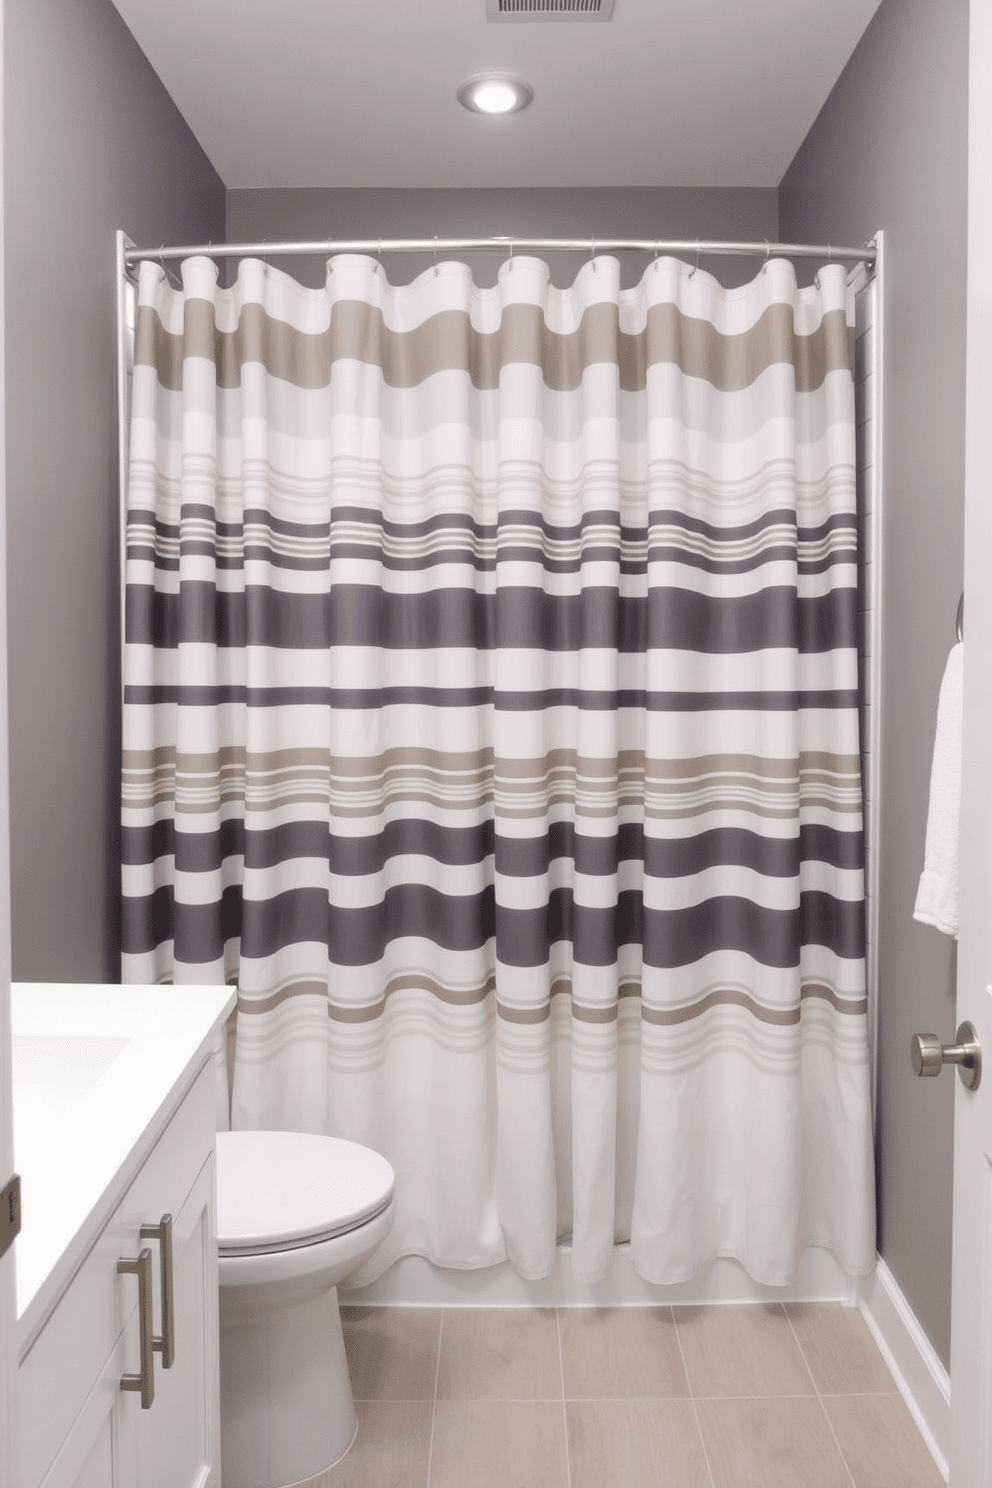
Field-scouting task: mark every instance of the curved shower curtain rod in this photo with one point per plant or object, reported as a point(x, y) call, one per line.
point(375, 246)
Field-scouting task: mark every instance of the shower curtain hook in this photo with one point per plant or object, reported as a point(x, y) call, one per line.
point(435, 256)
point(768, 253)
point(692, 271)
point(657, 250)
point(176, 283)
point(594, 255)
point(510, 265)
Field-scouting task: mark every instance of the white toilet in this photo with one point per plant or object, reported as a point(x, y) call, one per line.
point(296, 1214)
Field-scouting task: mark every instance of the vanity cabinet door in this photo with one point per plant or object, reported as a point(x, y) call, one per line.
point(79, 1428)
point(178, 1440)
point(99, 1451)
point(70, 1377)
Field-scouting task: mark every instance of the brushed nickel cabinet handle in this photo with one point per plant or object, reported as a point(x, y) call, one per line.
point(162, 1232)
point(145, 1380)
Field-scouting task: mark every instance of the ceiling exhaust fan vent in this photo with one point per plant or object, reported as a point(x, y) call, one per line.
point(549, 10)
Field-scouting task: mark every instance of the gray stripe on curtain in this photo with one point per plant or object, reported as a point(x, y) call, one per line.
point(358, 615)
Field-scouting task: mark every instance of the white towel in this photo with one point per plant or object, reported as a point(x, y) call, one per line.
point(937, 896)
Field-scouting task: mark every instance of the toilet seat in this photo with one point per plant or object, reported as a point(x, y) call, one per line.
point(279, 1191)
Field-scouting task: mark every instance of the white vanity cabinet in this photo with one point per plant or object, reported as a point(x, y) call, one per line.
point(80, 1334)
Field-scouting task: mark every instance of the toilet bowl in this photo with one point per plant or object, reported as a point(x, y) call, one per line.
point(296, 1215)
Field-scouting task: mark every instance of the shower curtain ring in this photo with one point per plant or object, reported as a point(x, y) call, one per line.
point(692, 271)
point(435, 256)
point(768, 252)
point(176, 283)
point(594, 255)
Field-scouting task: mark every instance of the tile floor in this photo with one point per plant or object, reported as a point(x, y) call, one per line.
point(793, 1396)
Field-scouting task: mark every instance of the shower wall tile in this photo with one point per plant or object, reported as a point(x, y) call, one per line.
point(499, 1443)
point(636, 1443)
point(621, 1353)
point(747, 1350)
point(499, 1354)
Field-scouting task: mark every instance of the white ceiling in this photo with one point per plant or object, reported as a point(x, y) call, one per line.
point(362, 92)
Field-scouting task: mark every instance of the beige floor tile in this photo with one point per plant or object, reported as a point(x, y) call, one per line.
point(741, 1350)
point(392, 1351)
point(880, 1441)
point(499, 1444)
point(499, 1354)
point(620, 1353)
point(391, 1450)
point(636, 1443)
point(771, 1444)
point(842, 1355)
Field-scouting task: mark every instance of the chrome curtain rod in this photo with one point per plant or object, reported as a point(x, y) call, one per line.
point(376, 246)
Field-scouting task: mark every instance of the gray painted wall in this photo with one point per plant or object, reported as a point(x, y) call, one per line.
point(889, 150)
point(563, 212)
point(93, 143)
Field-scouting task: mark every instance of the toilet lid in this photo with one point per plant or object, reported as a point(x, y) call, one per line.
point(278, 1190)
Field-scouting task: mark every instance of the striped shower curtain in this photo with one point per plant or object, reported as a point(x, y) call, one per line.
point(491, 720)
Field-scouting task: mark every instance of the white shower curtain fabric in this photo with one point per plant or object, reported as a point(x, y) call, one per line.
point(491, 720)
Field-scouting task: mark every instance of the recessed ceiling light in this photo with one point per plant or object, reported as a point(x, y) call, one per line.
point(495, 95)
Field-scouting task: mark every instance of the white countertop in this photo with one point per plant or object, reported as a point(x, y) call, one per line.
point(97, 1071)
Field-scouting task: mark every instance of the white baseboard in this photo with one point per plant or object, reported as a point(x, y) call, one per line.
point(415, 1282)
point(922, 1379)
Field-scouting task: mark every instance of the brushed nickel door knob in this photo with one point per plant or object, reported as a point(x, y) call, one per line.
point(929, 1056)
